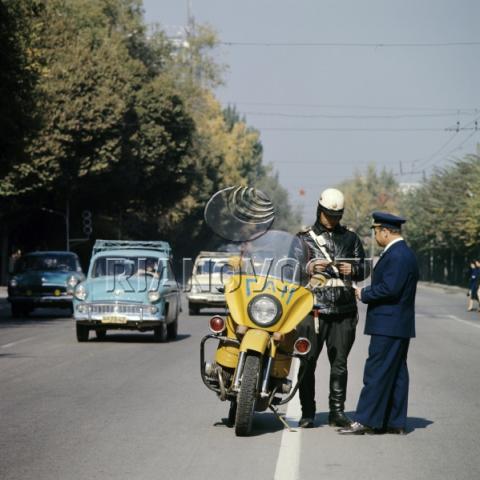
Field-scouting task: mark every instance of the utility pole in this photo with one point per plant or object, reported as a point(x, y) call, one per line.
point(66, 217)
point(67, 224)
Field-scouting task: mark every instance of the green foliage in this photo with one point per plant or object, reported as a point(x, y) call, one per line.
point(366, 193)
point(18, 76)
point(104, 116)
point(445, 211)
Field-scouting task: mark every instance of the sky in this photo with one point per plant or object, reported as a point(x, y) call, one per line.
point(346, 83)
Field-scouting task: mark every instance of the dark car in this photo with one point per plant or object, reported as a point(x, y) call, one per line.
point(44, 279)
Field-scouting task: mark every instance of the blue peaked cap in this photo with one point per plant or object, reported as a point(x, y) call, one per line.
point(385, 219)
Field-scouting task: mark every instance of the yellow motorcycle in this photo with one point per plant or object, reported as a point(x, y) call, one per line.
point(257, 338)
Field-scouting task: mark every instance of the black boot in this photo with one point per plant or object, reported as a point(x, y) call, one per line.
point(338, 392)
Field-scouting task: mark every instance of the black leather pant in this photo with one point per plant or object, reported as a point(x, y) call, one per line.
point(338, 333)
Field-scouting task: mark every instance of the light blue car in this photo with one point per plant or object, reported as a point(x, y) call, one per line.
point(130, 286)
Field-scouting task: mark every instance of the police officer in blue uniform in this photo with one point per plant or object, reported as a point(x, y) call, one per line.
point(382, 406)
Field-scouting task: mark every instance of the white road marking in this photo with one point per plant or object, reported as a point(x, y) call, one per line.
point(454, 317)
point(288, 461)
point(8, 345)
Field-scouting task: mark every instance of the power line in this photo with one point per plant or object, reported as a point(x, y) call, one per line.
point(348, 129)
point(353, 117)
point(453, 110)
point(425, 161)
point(349, 45)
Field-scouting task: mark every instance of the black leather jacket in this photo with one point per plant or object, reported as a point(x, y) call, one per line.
point(341, 244)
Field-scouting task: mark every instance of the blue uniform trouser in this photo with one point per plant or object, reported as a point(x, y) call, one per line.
point(384, 397)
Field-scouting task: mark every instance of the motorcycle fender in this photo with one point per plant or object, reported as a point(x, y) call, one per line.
point(227, 357)
point(256, 340)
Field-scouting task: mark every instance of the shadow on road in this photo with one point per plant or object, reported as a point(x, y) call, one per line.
point(412, 422)
point(15, 355)
point(35, 319)
point(415, 422)
point(263, 424)
point(210, 313)
point(135, 338)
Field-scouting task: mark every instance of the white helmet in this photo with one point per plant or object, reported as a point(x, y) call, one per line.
point(332, 202)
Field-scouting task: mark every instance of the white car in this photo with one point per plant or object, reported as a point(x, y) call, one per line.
point(206, 285)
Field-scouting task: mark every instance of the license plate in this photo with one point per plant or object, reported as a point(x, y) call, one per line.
point(114, 319)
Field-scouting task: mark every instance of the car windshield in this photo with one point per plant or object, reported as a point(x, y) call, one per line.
point(65, 263)
point(212, 265)
point(114, 265)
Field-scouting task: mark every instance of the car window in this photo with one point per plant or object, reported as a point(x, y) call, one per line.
point(114, 265)
point(213, 266)
point(65, 263)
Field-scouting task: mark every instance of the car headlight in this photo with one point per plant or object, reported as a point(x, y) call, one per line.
point(13, 282)
point(153, 296)
point(264, 310)
point(72, 281)
point(81, 292)
point(82, 308)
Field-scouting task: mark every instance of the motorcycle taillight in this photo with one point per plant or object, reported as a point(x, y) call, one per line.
point(302, 346)
point(217, 324)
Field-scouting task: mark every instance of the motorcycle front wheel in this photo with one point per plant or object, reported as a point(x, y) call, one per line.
point(247, 396)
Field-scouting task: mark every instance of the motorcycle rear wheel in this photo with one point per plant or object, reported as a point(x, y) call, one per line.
point(247, 396)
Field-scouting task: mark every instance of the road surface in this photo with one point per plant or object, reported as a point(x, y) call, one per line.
point(129, 408)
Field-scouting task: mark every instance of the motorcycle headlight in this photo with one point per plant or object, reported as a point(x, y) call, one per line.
point(81, 292)
point(153, 296)
point(264, 310)
point(72, 281)
point(13, 282)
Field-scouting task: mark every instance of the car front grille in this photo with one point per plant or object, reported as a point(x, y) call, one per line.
point(42, 290)
point(126, 309)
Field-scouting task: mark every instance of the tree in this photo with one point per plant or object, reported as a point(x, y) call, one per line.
point(366, 193)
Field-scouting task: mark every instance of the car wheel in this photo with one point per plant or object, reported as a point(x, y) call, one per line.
point(172, 329)
point(101, 334)
point(82, 332)
point(17, 310)
point(160, 333)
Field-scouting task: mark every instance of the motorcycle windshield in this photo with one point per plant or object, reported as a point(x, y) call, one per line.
point(274, 255)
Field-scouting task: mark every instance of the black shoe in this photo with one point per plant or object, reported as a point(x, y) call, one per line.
point(339, 419)
point(396, 430)
point(356, 429)
point(306, 422)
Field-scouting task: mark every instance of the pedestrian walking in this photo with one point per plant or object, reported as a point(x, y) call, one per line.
point(473, 285)
point(390, 322)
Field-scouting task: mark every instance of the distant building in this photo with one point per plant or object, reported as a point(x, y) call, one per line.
point(406, 187)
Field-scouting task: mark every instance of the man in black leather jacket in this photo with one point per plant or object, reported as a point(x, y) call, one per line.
point(334, 251)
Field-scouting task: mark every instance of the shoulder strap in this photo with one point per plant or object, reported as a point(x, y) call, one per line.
point(320, 242)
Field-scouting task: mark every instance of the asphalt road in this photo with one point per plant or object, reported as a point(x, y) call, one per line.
point(129, 408)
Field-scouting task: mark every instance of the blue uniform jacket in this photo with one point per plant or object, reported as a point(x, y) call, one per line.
point(391, 295)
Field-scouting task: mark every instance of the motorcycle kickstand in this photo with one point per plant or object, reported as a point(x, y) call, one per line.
point(282, 420)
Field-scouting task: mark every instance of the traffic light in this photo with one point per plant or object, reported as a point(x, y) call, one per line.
point(87, 222)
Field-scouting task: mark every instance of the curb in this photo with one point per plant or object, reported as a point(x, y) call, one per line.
point(444, 287)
